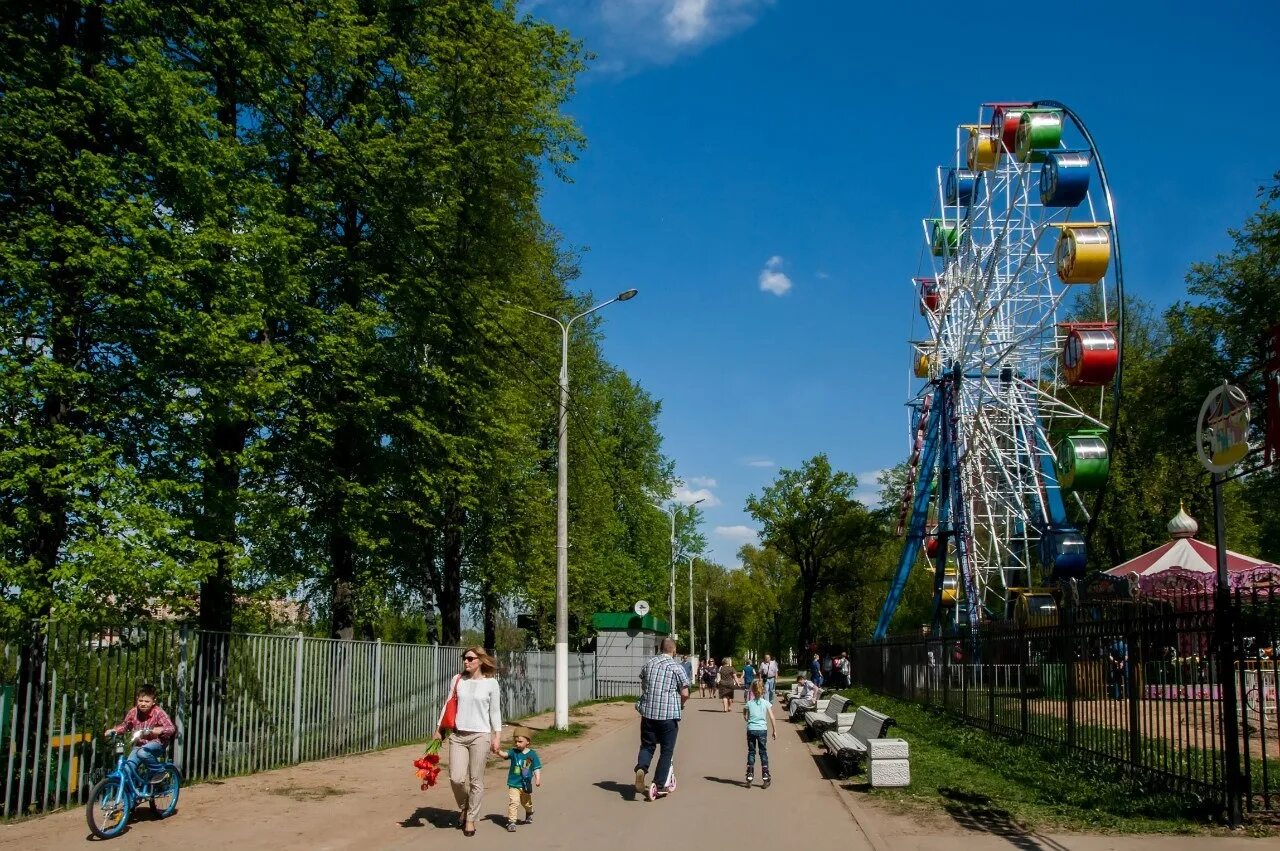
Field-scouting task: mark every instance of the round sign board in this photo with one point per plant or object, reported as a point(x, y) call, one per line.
point(1222, 430)
point(641, 608)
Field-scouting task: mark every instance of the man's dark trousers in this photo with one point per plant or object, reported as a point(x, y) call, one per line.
point(652, 734)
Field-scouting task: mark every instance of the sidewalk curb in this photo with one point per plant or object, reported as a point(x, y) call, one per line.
point(860, 816)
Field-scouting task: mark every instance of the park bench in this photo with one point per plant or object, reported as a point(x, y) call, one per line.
point(849, 744)
point(831, 716)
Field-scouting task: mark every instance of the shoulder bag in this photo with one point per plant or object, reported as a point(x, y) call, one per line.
point(449, 721)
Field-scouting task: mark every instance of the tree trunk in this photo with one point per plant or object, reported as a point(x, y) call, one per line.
point(490, 620)
point(808, 590)
point(450, 590)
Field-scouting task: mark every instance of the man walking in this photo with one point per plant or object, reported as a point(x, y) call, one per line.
point(664, 688)
point(769, 673)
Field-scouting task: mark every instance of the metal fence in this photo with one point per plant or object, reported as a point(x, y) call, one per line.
point(1144, 684)
point(242, 703)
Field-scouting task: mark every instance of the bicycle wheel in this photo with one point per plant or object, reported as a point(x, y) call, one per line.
point(108, 808)
point(164, 798)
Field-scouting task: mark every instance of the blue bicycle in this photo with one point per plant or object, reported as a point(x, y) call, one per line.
point(114, 797)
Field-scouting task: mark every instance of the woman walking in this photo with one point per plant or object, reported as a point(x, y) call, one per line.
point(727, 680)
point(478, 732)
point(709, 678)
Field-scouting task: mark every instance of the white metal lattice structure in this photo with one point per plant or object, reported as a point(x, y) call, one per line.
point(998, 317)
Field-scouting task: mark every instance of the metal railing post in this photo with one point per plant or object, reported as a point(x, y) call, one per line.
point(377, 693)
point(295, 754)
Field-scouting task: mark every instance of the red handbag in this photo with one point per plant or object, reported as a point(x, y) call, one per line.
point(449, 721)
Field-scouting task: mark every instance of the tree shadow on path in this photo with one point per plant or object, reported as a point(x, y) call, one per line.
point(977, 812)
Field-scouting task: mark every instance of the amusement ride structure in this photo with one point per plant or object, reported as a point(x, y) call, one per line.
point(1018, 368)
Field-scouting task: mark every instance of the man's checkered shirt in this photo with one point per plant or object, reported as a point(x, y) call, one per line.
point(661, 680)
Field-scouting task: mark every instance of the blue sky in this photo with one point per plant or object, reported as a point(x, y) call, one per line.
point(759, 171)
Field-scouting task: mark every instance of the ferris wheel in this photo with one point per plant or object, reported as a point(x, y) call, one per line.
point(1016, 362)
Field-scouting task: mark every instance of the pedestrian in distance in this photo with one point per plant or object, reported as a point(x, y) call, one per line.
point(477, 732)
point(726, 682)
point(708, 688)
point(524, 773)
point(748, 677)
point(664, 689)
point(769, 673)
point(815, 670)
point(156, 731)
point(846, 669)
point(758, 713)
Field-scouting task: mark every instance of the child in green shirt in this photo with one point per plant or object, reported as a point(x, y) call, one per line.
point(524, 774)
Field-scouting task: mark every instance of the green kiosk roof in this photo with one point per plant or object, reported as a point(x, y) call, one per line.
point(630, 620)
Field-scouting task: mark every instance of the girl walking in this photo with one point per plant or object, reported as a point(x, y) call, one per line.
point(758, 713)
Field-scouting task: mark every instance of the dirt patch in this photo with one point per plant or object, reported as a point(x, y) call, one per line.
point(366, 801)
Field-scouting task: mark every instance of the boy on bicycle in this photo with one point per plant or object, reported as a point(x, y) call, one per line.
point(157, 732)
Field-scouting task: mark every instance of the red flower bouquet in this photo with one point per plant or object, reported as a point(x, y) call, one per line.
point(428, 765)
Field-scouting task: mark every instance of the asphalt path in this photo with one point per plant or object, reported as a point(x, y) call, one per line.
point(588, 799)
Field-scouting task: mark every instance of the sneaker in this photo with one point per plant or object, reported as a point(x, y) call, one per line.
point(641, 785)
point(528, 819)
point(511, 827)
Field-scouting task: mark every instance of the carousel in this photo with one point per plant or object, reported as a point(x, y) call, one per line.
point(1186, 565)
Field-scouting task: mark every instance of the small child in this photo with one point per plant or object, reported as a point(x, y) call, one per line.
point(759, 717)
point(525, 773)
point(157, 733)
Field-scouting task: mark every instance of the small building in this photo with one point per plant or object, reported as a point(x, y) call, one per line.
point(624, 642)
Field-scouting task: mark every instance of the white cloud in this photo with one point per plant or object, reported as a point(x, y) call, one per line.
point(869, 488)
point(739, 535)
point(703, 481)
point(686, 20)
point(758, 462)
point(822, 276)
point(688, 497)
point(772, 278)
point(630, 34)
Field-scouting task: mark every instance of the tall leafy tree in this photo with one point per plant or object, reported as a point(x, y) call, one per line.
point(811, 517)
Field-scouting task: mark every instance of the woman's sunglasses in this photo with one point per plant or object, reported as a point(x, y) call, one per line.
point(470, 658)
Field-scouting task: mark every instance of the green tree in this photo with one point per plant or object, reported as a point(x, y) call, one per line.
point(812, 519)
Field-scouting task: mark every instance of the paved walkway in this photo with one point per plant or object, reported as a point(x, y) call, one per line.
point(586, 802)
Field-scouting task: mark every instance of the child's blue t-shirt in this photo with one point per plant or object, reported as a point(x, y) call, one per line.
point(520, 776)
point(757, 713)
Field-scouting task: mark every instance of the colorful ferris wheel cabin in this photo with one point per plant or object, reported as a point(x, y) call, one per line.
point(1083, 461)
point(1039, 131)
point(930, 295)
point(1091, 354)
point(1064, 178)
point(1083, 252)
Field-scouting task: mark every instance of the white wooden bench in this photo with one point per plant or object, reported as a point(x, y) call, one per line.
point(848, 745)
point(831, 716)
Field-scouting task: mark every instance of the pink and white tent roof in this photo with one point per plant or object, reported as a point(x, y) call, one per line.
point(1195, 561)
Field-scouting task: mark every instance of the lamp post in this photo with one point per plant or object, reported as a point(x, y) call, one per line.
point(693, 624)
point(671, 593)
point(562, 511)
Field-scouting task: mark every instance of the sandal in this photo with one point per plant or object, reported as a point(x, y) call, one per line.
point(469, 832)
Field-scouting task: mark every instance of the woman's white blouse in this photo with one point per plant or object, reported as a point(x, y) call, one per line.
point(479, 705)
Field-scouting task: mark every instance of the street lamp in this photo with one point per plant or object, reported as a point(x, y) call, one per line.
point(693, 624)
point(671, 595)
point(562, 511)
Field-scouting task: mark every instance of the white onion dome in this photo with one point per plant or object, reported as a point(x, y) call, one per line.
point(1183, 525)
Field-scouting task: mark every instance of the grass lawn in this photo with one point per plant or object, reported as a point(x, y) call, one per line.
point(998, 785)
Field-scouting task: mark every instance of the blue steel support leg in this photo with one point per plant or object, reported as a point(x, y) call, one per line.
point(919, 514)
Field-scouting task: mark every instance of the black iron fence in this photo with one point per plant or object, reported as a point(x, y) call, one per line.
point(1179, 689)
